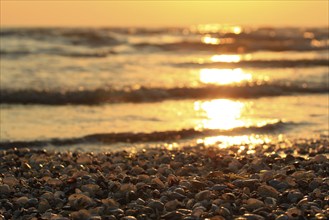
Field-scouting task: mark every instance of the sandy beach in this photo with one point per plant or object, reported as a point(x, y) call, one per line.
point(285, 180)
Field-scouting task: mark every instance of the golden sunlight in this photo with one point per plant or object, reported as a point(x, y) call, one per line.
point(226, 58)
point(220, 114)
point(210, 40)
point(215, 28)
point(226, 141)
point(224, 76)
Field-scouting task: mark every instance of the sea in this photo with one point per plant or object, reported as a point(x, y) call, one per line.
point(110, 89)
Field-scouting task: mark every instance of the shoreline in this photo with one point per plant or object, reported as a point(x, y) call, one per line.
point(285, 180)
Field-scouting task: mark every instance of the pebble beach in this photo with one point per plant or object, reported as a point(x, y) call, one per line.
point(279, 181)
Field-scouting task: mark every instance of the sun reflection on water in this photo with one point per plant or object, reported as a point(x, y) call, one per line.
point(216, 28)
point(224, 76)
point(226, 141)
point(220, 114)
point(232, 58)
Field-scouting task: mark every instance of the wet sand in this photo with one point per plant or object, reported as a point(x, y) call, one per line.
point(285, 180)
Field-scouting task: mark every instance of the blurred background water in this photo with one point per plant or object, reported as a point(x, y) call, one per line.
point(235, 83)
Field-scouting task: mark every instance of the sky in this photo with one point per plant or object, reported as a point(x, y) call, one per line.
point(301, 13)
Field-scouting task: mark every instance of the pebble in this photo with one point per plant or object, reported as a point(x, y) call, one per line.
point(159, 184)
point(172, 205)
point(218, 187)
point(10, 181)
point(156, 205)
point(268, 191)
point(79, 201)
point(82, 214)
point(320, 158)
point(254, 204)
point(22, 201)
point(174, 215)
point(43, 205)
point(205, 194)
point(190, 183)
point(282, 217)
point(294, 213)
point(92, 189)
point(4, 189)
point(128, 218)
point(294, 196)
point(250, 216)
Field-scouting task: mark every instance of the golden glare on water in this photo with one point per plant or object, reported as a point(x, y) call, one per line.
point(220, 114)
point(210, 40)
point(226, 141)
point(226, 58)
point(215, 28)
point(224, 76)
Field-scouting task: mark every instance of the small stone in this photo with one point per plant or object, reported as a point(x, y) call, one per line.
point(198, 211)
point(294, 213)
point(172, 205)
point(137, 170)
point(128, 218)
point(172, 180)
point(22, 201)
point(198, 185)
point(254, 204)
point(268, 191)
point(33, 202)
point(49, 196)
point(26, 166)
point(321, 216)
point(249, 216)
point(174, 215)
point(158, 183)
point(320, 158)
point(43, 206)
point(128, 187)
point(10, 181)
point(234, 165)
point(140, 201)
point(295, 196)
point(218, 187)
point(270, 201)
point(84, 159)
point(4, 189)
point(228, 196)
point(82, 214)
point(54, 182)
point(92, 189)
point(175, 195)
point(79, 201)
point(205, 194)
point(224, 212)
point(282, 217)
point(156, 205)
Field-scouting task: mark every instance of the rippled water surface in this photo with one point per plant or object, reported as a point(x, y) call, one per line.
point(72, 83)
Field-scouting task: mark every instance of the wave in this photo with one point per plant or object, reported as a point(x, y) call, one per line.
point(258, 64)
point(73, 36)
point(17, 54)
point(143, 94)
point(73, 54)
point(237, 47)
point(271, 39)
point(163, 136)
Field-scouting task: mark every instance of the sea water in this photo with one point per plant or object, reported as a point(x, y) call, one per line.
point(119, 87)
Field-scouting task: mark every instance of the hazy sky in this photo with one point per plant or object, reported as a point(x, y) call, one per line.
point(163, 13)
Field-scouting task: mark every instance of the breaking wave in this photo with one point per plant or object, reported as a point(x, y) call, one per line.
point(128, 137)
point(143, 94)
point(174, 39)
point(258, 63)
